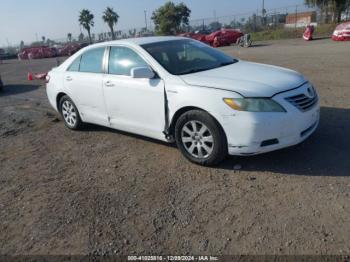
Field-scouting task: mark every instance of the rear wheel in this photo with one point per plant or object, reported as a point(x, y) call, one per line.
point(70, 113)
point(200, 138)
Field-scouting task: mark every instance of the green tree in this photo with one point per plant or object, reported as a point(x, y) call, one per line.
point(21, 45)
point(215, 26)
point(318, 3)
point(81, 37)
point(340, 7)
point(111, 19)
point(43, 38)
point(322, 4)
point(170, 18)
point(132, 33)
point(336, 6)
point(86, 19)
point(69, 37)
point(235, 24)
point(252, 24)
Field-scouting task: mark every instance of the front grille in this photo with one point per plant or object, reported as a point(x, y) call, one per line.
point(303, 102)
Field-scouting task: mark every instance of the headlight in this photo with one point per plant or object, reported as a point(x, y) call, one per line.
point(254, 104)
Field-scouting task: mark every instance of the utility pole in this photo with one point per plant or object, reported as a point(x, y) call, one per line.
point(214, 15)
point(296, 16)
point(263, 13)
point(263, 8)
point(322, 12)
point(146, 19)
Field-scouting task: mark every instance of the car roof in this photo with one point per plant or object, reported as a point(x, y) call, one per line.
point(127, 42)
point(143, 40)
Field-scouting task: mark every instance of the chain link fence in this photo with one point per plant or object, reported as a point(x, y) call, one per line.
point(259, 20)
point(248, 22)
point(294, 16)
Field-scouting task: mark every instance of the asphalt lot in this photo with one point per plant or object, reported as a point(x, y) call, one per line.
point(100, 191)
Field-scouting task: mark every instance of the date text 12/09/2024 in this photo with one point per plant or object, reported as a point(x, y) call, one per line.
point(172, 258)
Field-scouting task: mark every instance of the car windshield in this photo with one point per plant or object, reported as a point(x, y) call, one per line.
point(180, 57)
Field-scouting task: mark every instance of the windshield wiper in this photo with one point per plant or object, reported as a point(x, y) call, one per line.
point(196, 70)
point(191, 71)
point(228, 63)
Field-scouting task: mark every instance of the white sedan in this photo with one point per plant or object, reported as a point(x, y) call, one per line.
point(178, 89)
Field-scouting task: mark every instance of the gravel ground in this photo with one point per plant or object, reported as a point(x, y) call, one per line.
point(100, 191)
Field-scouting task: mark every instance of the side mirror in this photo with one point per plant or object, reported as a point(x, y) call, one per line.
point(142, 72)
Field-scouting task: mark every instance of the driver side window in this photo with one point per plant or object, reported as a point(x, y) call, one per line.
point(122, 60)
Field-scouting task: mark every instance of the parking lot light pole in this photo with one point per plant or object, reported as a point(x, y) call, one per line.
point(146, 19)
point(296, 16)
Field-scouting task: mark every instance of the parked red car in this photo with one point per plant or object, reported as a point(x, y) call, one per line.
point(223, 37)
point(70, 48)
point(308, 33)
point(37, 52)
point(195, 36)
point(342, 32)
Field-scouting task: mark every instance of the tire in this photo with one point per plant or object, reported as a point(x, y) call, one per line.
point(1, 84)
point(70, 113)
point(194, 141)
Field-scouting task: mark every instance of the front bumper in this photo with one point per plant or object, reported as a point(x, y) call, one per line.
point(255, 133)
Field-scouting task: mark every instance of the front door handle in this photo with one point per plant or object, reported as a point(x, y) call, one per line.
point(69, 78)
point(109, 83)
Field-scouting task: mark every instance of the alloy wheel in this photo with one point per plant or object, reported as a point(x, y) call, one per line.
point(69, 113)
point(197, 139)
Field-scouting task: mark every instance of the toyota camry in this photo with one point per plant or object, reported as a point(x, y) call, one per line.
point(180, 90)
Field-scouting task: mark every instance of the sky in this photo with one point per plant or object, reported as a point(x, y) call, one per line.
point(29, 20)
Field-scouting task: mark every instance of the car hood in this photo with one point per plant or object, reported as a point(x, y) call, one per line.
point(248, 79)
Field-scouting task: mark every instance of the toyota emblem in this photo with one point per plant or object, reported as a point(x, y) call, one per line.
point(310, 92)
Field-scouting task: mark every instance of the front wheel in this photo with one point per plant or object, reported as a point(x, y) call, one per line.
point(70, 113)
point(200, 138)
point(248, 44)
point(1, 84)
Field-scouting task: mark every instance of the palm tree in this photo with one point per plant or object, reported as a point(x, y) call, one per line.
point(110, 18)
point(69, 37)
point(86, 19)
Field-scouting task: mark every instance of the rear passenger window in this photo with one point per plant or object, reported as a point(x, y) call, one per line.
point(74, 67)
point(91, 61)
point(122, 60)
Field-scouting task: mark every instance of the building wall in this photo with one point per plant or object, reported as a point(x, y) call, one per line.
point(301, 19)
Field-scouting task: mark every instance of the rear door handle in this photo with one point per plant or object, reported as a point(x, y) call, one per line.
point(109, 83)
point(69, 78)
